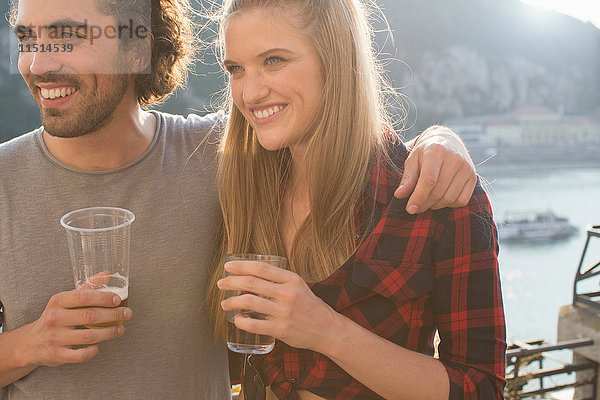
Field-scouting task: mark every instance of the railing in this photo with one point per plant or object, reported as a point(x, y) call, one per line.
point(525, 363)
point(592, 298)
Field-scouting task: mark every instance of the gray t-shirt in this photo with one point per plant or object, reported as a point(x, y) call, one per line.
point(168, 351)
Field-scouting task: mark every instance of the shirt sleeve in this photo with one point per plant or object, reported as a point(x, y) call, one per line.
point(468, 301)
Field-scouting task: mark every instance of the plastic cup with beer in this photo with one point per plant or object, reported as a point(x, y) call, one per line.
point(98, 240)
point(239, 340)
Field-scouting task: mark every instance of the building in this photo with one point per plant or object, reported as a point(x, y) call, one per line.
point(527, 126)
point(530, 134)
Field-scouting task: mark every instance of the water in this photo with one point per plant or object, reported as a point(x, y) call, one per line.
point(537, 278)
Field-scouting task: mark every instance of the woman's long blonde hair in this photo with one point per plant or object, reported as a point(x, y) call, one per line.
point(342, 142)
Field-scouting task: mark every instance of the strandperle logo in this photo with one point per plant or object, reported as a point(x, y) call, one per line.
point(81, 31)
point(62, 40)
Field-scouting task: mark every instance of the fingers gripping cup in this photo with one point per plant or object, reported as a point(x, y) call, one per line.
point(239, 340)
point(98, 240)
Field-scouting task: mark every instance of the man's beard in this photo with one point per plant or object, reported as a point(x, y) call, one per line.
point(94, 108)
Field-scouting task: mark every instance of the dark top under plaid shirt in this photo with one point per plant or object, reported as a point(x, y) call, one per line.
point(413, 274)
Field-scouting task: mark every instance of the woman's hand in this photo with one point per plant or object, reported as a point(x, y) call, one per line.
point(302, 320)
point(295, 315)
point(440, 171)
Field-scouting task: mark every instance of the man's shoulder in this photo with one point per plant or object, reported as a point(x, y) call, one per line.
point(19, 147)
point(194, 123)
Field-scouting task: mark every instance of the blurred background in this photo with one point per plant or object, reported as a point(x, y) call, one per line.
point(498, 61)
point(518, 81)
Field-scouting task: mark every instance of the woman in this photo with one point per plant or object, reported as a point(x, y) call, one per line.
point(307, 171)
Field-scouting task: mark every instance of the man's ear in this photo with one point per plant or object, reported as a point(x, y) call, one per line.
point(138, 55)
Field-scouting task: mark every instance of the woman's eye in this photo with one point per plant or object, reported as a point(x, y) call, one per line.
point(233, 68)
point(273, 60)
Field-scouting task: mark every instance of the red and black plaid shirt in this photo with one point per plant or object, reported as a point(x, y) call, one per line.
point(413, 275)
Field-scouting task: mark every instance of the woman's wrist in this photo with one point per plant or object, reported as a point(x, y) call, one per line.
point(331, 344)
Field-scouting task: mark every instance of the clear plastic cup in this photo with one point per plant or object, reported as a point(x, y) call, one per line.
point(98, 240)
point(239, 340)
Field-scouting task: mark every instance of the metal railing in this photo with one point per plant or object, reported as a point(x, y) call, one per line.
point(525, 363)
point(592, 298)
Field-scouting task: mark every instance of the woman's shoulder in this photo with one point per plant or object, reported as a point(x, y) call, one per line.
point(394, 151)
point(385, 172)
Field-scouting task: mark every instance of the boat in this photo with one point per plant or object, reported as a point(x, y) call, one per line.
point(534, 226)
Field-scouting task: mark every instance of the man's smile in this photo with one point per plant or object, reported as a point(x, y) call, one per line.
point(57, 92)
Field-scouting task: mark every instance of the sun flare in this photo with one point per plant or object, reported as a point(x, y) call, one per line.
point(585, 10)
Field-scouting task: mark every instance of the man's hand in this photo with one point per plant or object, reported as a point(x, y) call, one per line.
point(54, 339)
point(440, 171)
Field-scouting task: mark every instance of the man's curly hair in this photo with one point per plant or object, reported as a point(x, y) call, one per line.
point(173, 35)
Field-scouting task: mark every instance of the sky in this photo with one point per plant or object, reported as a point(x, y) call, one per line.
point(586, 10)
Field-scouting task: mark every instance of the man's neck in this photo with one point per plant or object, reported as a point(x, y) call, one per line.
point(121, 141)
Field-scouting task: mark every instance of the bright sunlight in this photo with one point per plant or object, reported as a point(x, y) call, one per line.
point(585, 10)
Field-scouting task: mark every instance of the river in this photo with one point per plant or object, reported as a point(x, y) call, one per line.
point(537, 278)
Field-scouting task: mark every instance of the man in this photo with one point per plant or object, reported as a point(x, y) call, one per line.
point(98, 146)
